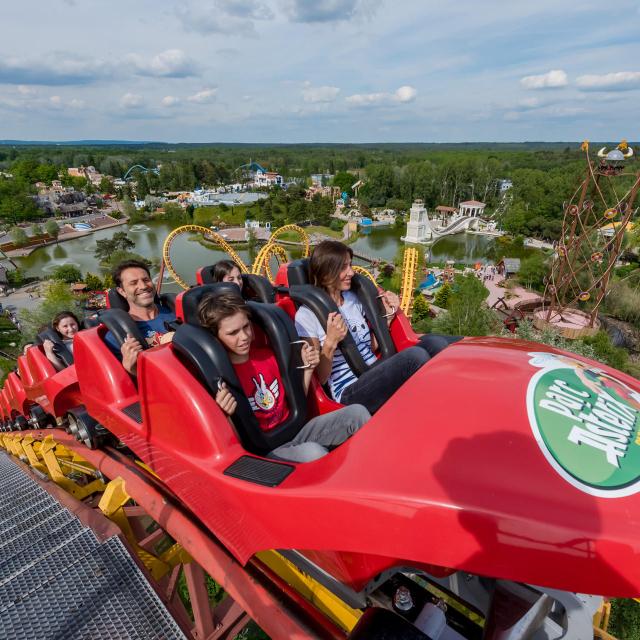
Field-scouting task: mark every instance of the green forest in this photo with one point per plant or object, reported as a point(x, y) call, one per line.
point(544, 175)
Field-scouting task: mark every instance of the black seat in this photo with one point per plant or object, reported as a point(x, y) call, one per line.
point(121, 324)
point(298, 271)
point(118, 301)
point(188, 301)
point(205, 356)
point(254, 287)
point(60, 347)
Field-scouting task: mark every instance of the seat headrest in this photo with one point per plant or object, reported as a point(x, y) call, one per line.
point(374, 311)
point(187, 302)
point(254, 287)
point(209, 361)
point(298, 271)
point(120, 323)
point(60, 348)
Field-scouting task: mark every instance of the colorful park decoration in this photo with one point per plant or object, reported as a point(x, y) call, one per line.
point(593, 227)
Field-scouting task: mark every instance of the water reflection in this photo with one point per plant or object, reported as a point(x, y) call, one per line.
point(189, 254)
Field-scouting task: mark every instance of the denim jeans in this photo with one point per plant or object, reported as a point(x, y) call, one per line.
point(375, 386)
point(434, 343)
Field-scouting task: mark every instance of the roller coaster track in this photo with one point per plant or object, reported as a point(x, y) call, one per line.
point(409, 266)
point(209, 235)
point(116, 497)
point(261, 263)
point(299, 230)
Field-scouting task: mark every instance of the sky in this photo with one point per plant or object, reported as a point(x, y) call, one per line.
point(287, 71)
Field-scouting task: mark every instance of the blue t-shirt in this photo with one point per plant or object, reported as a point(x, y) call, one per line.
point(150, 329)
point(308, 326)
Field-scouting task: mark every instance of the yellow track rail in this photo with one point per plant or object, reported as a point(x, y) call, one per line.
point(364, 272)
point(261, 263)
point(300, 231)
point(409, 266)
point(209, 235)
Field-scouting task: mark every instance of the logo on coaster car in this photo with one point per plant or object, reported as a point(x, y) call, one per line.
point(586, 423)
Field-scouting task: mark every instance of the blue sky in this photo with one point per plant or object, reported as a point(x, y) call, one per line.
point(320, 70)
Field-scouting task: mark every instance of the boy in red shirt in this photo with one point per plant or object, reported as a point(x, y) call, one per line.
point(228, 318)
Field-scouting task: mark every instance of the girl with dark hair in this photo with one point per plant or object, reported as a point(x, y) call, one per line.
point(330, 269)
point(66, 325)
point(227, 271)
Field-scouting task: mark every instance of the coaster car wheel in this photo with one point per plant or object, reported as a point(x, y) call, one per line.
point(38, 419)
point(85, 429)
point(21, 424)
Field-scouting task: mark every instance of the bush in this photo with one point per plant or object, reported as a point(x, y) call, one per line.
point(468, 314)
point(442, 296)
point(625, 619)
point(533, 271)
point(15, 278)
point(93, 282)
point(623, 302)
point(420, 309)
point(67, 273)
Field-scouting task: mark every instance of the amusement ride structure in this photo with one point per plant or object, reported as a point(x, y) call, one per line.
point(593, 228)
point(485, 499)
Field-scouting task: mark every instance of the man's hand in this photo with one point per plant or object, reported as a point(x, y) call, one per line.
point(130, 350)
point(336, 328)
point(310, 356)
point(225, 400)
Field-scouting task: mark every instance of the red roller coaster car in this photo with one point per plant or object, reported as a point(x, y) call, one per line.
point(499, 465)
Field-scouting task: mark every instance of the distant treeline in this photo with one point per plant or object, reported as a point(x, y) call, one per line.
point(544, 175)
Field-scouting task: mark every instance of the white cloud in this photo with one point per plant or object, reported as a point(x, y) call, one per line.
point(172, 63)
point(55, 69)
point(319, 94)
point(223, 16)
point(57, 102)
point(169, 101)
point(406, 94)
point(131, 101)
point(619, 81)
point(367, 99)
point(551, 80)
point(246, 9)
point(402, 95)
point(25, 90)
point(206, 95)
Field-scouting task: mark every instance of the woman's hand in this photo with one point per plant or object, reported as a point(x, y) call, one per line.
point(225, 400)
point(310, 356)
point(391, 304)
point(47, 345)
point(336, 328)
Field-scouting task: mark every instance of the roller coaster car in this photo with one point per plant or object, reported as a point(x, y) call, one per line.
point(17, 398)
point(498, 458)
point(52, 393)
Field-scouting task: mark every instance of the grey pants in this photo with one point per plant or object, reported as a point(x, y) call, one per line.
point(321, 433)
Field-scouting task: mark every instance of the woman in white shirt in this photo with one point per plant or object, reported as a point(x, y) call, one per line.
point(330, 269)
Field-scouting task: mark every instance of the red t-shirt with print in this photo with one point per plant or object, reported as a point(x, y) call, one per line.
point(260, 380)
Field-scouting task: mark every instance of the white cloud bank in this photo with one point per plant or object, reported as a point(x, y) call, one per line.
point(619, 81)
point(206, 95)
point(131, 101)
point(319, 94)
point(403, 94)
point(552, 80)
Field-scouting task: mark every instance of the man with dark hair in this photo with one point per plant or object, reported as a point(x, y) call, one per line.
point(133, 282)
point(227, 316)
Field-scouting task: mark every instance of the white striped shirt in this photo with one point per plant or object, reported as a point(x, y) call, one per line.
point(308, 326)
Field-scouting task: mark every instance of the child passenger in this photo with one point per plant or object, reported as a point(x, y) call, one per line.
point(66, 325)
point(227, 271)
point(228, 317)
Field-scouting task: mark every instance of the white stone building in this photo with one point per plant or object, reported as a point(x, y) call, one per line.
point(471, 208)
point(419, 225)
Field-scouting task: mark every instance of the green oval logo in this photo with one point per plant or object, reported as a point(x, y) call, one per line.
point(586, 423)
